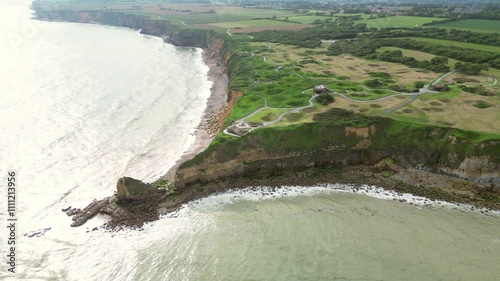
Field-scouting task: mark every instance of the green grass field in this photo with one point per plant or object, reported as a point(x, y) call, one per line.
point(308, 19)
point(266, 115)
point(311, 19)
point(486, 26)
point(458, 44)
point(229, 16)
point(397, 21)
point(248, 23)
point(363, 16)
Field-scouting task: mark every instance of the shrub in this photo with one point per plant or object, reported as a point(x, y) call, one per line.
point(373, 83)
point(324, 99)
point(419, 84)
point(482, 104)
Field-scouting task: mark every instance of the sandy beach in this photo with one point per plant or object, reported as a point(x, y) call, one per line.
point(216, 106)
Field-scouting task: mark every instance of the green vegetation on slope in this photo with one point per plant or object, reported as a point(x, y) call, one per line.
point(329, 130)
point(228, 16)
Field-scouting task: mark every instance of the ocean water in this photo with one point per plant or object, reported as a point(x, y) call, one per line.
point(82, 105)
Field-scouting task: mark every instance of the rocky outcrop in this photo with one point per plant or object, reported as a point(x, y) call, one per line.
point(89, 212)
point(134, 203)
point(134, 191)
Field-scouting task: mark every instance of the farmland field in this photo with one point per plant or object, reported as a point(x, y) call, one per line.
point(311, 19)
point(486, 26)
point(396, 21)
point(308, 19)
point(249, 23)
point(458, 44)
point(228, 15)
point(363, 16)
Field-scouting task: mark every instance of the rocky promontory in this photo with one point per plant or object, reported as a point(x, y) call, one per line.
point(133, 204)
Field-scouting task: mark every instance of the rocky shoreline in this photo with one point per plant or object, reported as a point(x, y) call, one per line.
point(216, 106)
point(393, 182)
point(406, 180)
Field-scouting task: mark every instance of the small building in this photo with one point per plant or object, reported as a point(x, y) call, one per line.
point(320, 89)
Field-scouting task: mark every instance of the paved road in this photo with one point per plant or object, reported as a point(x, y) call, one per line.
point(442, 77)
point(405, 102)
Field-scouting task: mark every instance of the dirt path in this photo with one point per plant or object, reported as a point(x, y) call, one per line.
point(491, 84)
point(442, 77)
point(403, 103)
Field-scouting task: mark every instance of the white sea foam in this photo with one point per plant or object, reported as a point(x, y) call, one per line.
point(216, 201)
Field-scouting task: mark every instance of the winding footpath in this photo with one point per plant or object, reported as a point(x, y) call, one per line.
point(243, 126)
point(491, 84)
point(442, 77)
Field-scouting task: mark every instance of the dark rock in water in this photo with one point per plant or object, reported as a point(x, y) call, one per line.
point(135, 191)
point(89, 212)
point(66, 209)
point(95, 228)
point(133, 204)
point(30, 234)
point(37, 233)
point(73, 211)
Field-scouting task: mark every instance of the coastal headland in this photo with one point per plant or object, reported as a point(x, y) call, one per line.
point(335, 145)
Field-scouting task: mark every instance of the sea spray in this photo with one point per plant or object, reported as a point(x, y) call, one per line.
point(218, 200)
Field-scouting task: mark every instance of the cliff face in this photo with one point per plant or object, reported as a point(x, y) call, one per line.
point(170, 33)
point(248, 157)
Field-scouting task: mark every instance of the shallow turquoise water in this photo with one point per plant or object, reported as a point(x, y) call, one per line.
point(329, 237)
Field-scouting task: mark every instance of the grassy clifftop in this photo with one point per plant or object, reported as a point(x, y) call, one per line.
point(339, 139)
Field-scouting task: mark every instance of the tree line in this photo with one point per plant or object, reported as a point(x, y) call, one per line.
point(476, 61)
